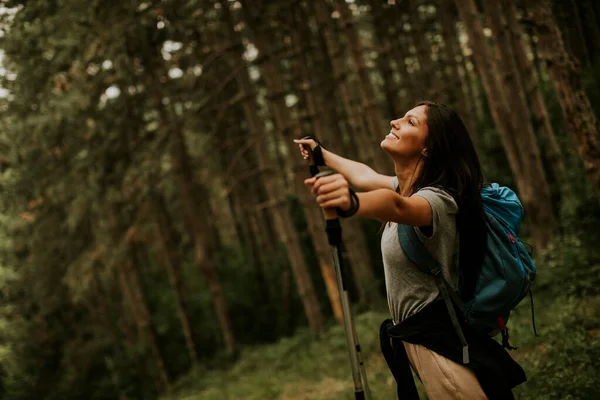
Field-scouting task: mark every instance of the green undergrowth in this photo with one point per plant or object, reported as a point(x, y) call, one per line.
point(298, 367)
point(562, 363)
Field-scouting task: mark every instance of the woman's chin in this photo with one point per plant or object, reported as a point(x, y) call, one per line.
point(391, 148)
point(385, 145)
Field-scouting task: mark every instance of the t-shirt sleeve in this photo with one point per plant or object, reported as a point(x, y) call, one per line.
point(395, 184)
point(444, 210)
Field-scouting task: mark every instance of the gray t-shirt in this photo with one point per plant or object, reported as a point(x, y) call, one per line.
point(409, 289)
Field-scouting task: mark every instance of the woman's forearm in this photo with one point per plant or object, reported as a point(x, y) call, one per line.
point(385, 205)
point(360, 175)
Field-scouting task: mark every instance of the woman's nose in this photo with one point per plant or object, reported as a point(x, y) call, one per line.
point(394, 124)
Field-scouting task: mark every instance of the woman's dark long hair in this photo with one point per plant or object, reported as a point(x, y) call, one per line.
point(452, 164)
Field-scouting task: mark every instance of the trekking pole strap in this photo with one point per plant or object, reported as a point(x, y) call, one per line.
point(312, 164)
point(313, 169)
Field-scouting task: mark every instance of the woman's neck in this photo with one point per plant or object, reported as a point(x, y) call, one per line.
point(407, 172)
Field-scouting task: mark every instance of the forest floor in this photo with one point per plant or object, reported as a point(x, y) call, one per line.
point(562, 363)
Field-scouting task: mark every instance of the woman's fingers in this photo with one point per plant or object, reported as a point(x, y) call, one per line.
point(340, 202)
point(328, 187)
point(304, 148)
point(332, 191)
point(337, 203)
point(329, 183)
point(339, 197)
point(306, 142)
point(303, 151)
point(323, 184)
point(310, 181)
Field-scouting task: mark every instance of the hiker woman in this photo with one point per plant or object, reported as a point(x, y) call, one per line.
point(436, 190)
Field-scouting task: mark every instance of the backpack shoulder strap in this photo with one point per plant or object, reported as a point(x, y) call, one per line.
point(416, 252)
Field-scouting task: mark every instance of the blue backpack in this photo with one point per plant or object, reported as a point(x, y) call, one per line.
point(506, 273)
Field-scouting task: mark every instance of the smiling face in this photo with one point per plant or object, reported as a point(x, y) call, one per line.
point(407, 136)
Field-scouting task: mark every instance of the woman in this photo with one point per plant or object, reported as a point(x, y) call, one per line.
point(436, 189)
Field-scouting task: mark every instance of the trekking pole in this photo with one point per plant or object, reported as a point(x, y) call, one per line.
point(334, 236)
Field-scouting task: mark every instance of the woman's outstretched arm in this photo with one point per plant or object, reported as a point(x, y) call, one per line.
point(382, 205)
point(360, 175)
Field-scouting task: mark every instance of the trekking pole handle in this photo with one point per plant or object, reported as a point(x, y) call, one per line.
point(330, 213)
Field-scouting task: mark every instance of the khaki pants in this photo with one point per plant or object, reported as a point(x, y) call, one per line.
point(442, 378)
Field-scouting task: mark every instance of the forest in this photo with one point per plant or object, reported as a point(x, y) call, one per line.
point(157, 240)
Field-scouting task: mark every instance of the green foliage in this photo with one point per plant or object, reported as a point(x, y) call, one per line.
point(563, 364)
point(570, 264)
point(258, 307)
point(573, 268)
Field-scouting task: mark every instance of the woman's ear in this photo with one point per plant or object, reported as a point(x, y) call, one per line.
point(424, 152)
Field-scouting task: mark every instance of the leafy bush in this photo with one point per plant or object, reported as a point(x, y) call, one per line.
point(564, 362)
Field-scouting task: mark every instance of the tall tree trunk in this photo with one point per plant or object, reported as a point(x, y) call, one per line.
point(335, 52)
point(591, 27)
point(259, 243)
point(457, 84)
point(171, 262)
point(569, 18)
point(361, 265)
point(531, 82)
point(355, 243)
point(200, 228)
point(242, 234)
point(131, 287)
point(193, 197)
point(408, 79)
point(531, 42)
point(246, 186)
point(531, 160)
point(328, 112)
point(418, 38)
point(385, 56)
point(325, 84)
point(522, 151)
point(134, 298)
point(274, 187)
point(473, 88)
point(369, 103)
point(564, 72)
point(314, 215)
point(103, 312)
